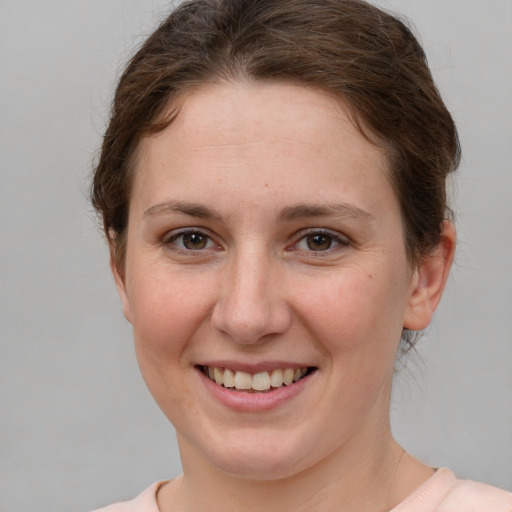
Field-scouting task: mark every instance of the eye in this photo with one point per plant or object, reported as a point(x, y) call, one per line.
point(190, 240)
point(320, 241)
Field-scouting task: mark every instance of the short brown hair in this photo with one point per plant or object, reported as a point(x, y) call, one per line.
point(349, 48)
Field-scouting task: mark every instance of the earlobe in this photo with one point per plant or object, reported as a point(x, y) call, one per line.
point(429, 280)
point(119, 278)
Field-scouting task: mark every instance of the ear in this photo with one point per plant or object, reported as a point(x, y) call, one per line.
point(120, 280)
point(429, 280)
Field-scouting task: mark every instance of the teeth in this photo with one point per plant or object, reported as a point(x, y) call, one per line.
point(288, 376)
point(218, 376)
point(276, 380)
point(229, 378)
point(243, 380)
point(262, 381)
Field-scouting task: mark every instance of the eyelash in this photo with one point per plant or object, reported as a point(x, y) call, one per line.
point(332, 238)
point(171, 238)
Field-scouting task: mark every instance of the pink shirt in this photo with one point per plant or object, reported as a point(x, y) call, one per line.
point(442, 492)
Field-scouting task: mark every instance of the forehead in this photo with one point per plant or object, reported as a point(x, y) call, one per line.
point(250, 109)
point(254, 135)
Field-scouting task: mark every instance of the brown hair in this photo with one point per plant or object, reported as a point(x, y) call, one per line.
point(349, 48)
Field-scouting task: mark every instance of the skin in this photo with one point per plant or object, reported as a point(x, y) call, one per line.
point(233, 167)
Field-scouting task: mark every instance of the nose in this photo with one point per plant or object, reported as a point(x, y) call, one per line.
point(251, 305)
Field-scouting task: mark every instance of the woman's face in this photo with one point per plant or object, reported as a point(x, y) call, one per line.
point(265, 243)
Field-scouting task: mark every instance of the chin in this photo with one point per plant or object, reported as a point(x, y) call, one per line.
point(261, 459)
point(264, 469)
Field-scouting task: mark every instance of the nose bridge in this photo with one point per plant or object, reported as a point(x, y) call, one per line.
point(250, 305)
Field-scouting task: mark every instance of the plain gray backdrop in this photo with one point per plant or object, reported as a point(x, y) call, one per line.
point(78, 428)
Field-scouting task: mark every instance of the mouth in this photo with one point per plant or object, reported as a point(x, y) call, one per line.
point(261, 382)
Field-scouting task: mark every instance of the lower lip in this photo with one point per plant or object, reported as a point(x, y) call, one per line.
point(254, 402)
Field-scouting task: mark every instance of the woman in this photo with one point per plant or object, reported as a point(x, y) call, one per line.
point(272, 187)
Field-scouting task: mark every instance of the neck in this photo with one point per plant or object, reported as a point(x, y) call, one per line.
point(350, 479)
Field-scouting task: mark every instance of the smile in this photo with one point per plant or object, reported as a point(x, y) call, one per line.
point(261, 382)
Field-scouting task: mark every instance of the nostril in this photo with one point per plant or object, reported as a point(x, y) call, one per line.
point(249, 326)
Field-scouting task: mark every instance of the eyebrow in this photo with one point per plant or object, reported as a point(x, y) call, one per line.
point(302, 211)
point(191, 209)
point(290, 213)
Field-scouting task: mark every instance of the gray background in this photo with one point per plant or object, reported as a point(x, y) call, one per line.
point(78, 428)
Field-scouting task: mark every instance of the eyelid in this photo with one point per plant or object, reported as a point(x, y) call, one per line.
point(342, 240)
point(170, 236)
point(174, 233)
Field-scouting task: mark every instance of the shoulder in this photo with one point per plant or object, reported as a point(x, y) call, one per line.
point(469, 496)
point(144, 502)
point(444, 492)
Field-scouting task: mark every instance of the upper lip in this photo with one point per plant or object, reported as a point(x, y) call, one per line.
point(262, 366)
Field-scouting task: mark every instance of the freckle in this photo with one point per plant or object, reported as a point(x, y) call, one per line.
point(369, 276)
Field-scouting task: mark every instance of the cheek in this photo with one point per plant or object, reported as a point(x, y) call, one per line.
point(167, 309)
point(356, 312)
point(167, 312)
